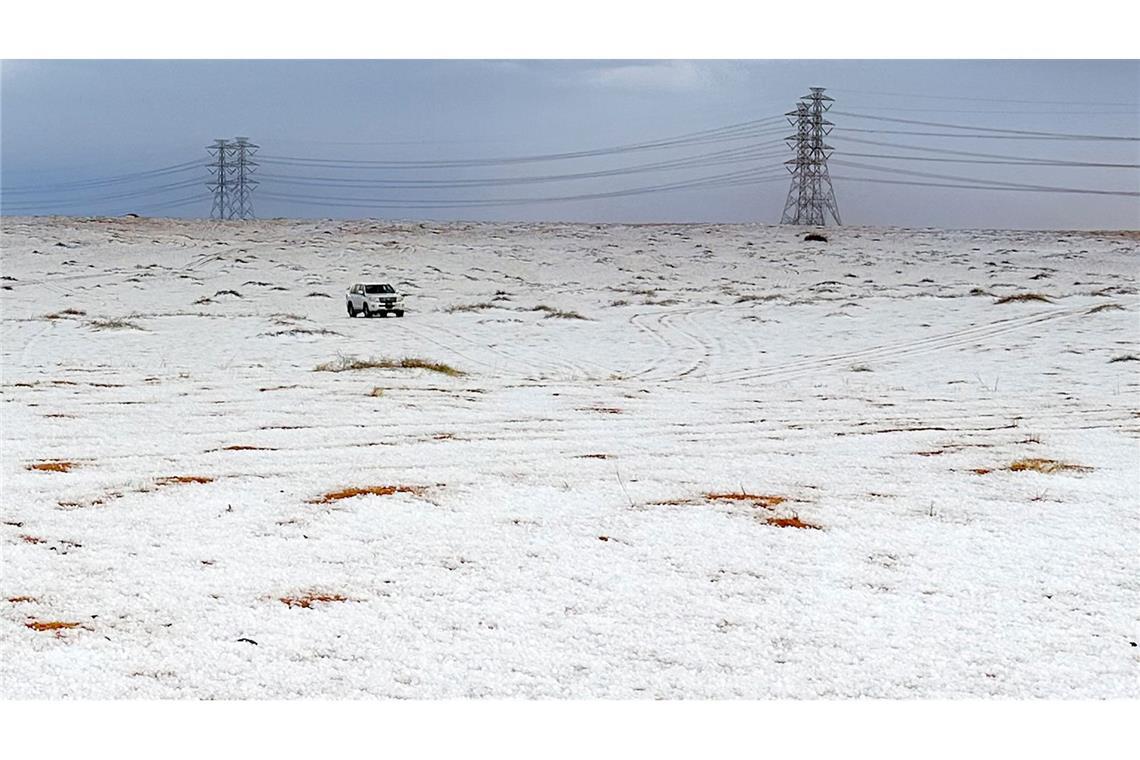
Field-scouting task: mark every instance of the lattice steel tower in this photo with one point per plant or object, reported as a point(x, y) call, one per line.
point(811, 196)
point(220, 171)
point(241, 203)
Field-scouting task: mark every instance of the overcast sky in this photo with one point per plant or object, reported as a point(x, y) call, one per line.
point(65, 121)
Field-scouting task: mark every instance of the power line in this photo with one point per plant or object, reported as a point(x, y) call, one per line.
point(977, 181)
point(1008, 188)
point(928, 96)
point(970, 127)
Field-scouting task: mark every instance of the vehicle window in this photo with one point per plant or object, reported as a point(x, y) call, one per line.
point(373, 289)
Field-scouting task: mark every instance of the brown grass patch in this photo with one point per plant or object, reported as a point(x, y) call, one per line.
point(981, 470)
point(49, 625)
point(790, 522)
point(601, 409)
point(1106, 307)
point(31, 539)
point(1046, 466)
point(173, 480)
point(592, 456)
point(348, 493)
point(307, 599)
point(243, 447)
point(1016, 297)
point(55, 466)
point(760, 500)
point(22, 599)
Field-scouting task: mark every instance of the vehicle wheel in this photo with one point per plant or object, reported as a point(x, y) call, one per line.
point(351, 311)
point(400, 313)
point(385, 314)
point(365, 311)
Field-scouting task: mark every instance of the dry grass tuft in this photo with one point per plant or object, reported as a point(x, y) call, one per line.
point(601, 409)
point(242, 447)
point(592, 456)
point(981, 470)
point(22, 599)
point(49, 625)
point(1046, 466)
point(376, 391)
point(470, 307)
point(350, 363)
point(348, 493)
point(113, 324)
point(307, 599)
point(56, 466)
point(561, 314)
point(179, 479)
point(760, 500)
point(790, 522)
point(1106, 307)
point(1024, 297)
point(1124, 358)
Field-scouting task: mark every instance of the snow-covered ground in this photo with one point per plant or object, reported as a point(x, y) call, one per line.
point(557, 531)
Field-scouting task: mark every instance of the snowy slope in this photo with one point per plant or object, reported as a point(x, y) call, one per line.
point(556, 537)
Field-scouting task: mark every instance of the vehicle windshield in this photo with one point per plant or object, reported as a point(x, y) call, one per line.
point(374, 289)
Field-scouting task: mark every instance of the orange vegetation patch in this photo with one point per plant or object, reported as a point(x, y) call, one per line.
point(348, 493)
point(981, 470)
point(31, 540)
point(178, 479)
point(1046, 465)
point(49, 625)
point(56, 466)
point(21, 599)
point(307, 600)
point(760, 500)
point(790, 522)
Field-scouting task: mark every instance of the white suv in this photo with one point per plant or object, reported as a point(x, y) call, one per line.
point(374, 298)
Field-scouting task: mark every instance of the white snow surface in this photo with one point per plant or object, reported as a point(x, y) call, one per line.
point(873, 381)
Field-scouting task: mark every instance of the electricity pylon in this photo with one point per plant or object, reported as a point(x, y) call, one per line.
point(241, 204)
point(811, 196)
point(219, 179)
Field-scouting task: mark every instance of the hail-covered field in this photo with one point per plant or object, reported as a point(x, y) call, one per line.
point(661, 461)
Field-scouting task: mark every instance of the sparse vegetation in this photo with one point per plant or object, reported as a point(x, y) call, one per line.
point(65, 313)
point(1124, 358)
point(1046, 465)
point(1019, 297)
point(1106, 307)
point(560, 314)
point(50, 625)
point(470, 307)
point(790, 522)
point(113, 324)
point(53, 466)
point(309, 598)
point(348, 493)
point(759, 500)
point(351, 363)
point(173, 480)
point(815, 237)
point(376, 391)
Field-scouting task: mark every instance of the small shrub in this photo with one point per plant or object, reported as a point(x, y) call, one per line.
point(815, 237)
